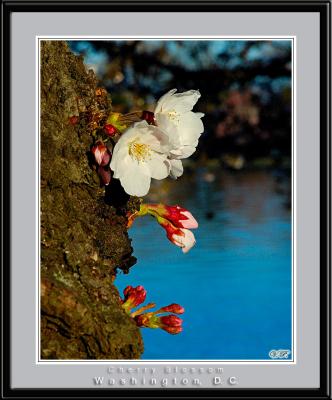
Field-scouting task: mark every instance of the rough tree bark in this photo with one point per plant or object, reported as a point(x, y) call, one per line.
point(83, 230)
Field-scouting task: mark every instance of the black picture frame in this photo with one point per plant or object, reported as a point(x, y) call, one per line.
point(324, 10)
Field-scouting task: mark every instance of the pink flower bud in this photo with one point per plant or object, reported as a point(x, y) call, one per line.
point(110, 130)
point(173, 330)
point(137, 294)
point(127, 290)
point(73, 120)
point(170, 320)
point(183, 238)
point(172, 308)
point(175, 220)
point(186, 240)
point(133, 297)
point(171, 324)
point(105, 175)
point(101, 153)
point(148, 116)
point(179, 216)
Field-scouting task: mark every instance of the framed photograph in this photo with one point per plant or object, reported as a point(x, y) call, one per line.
point(166, 199)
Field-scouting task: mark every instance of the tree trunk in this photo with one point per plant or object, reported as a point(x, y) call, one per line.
point(84, 238)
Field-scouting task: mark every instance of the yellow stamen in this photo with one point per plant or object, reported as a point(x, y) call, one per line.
point(139, 151)
point(174, 116)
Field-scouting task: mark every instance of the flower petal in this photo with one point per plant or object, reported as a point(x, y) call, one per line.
point(136, 184)
point(159, 166)
point(190, 222)
point(176, 153)
point(190, 128)
point(157, 139)
point(186, 242)
point(170, 129)
point(176, 168)
point(179, 102)
point(164, 99)
point(183, 102)
point(121, 162)
point(182, 152)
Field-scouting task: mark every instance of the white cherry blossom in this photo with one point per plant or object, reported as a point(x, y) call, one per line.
point(139, 155)
point(173, 114)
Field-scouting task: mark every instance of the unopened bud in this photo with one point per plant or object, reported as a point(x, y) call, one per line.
point(104, 174)
point(148, 116)
point(172, 308)
point(110, 130)
point(133, 297)
point(73, 120)
point(102, 154)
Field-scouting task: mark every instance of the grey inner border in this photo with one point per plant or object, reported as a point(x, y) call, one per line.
point(25, 371)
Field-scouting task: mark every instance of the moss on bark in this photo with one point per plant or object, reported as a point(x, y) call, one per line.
point(84, 238)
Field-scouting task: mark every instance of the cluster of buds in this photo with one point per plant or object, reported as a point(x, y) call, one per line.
point(102, 157)
point(155, 319)
point(170, 322)
point(176, 220)
point(113, 127)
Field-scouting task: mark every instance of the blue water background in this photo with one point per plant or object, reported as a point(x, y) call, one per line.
point(235, 284)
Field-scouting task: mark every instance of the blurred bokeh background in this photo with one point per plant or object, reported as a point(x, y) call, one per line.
point(236, 283)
